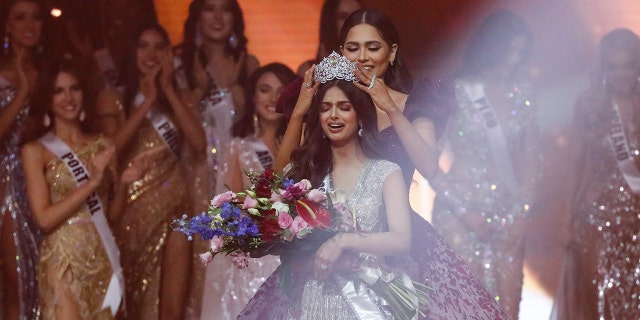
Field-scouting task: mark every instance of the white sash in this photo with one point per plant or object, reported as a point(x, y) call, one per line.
point(495, 134)
point(163, 125)
point(620, 148)
point(262, 153)
point(115, 291)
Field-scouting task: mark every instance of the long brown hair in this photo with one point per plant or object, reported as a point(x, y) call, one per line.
point(42, 102)
point(312, 160)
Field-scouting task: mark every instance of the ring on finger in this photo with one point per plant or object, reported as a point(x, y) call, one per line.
point(373, 81)
point(308, 85)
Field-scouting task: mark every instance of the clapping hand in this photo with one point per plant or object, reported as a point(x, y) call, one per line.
point(98, 165)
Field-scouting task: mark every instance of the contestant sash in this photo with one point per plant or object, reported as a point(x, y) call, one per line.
point(262, 153)
point(620, 148)
point(163, 126)
point(115, 291)
point(495, 134)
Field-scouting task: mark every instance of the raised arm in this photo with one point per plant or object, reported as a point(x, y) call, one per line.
point(293, 134)
point(187, 120)
point(418, 138)
point(396, 241)
point(10, 112)
point(49, 216)
point(126, 132)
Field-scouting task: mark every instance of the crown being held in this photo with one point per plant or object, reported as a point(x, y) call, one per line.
point(335, 66)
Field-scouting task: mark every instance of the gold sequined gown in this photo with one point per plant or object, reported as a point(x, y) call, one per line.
point(155, 200)
point(72, 257)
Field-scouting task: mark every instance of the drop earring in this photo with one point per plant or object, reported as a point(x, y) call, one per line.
point(198, 39)
point(256, 125)
point(360, 130)
point(233, 40)
point(5, 44)
point(46, 120)
point(83, 116)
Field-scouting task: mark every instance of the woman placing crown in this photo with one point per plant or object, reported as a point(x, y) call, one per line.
point(341, 153)
point(407, 137)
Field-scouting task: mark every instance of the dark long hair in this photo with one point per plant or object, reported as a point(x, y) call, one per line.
point(312, 160)
point(131, 78)
point(397, 76)
point(189, 47)
point(40, 51)
point(329, 34)
point(243, 125)
point(491, 43)
point(42, 102)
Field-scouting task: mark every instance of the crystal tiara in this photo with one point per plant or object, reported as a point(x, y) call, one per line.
point(335, 66)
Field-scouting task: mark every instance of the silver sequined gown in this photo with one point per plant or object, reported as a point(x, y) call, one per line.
point(473, 187)
point(26, 235)
point(312, 298)
point(601, 274)
point(228, 289)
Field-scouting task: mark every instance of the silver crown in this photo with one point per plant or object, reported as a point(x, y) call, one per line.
point(335, 66)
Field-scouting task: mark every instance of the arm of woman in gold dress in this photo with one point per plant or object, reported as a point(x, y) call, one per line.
point(49, 216)
point(187, 120)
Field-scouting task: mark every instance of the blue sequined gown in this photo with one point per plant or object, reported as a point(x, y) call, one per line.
point(473, 190)
point(14, 203)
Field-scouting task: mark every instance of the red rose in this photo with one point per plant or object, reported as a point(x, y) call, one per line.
point(268, 226)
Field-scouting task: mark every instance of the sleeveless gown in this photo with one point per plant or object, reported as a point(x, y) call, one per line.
point(14, 202)
point(599, 278)
point(72, 257)
point(154, 201)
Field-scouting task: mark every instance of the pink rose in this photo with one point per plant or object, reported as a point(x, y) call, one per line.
point(284, 220)
point(303, 185)
point(249, 202)
point(216, 243)
point(220, 199)
point(206, 257)
point(298, 224)
point(316, 196)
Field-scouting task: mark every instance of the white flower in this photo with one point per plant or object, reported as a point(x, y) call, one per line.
point(280, 207)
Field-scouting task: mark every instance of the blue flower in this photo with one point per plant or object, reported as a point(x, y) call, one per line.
point(288, 182)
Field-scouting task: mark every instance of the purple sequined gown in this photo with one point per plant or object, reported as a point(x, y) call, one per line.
point(14, 202)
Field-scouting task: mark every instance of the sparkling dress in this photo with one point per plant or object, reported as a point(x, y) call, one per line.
point(313, 298)
point(473, 188)
point(72, 257)
point(154, 201)
point(228, 289)
point(26, 234)
point(601, 272)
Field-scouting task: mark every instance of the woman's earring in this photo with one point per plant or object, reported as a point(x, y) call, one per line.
point(198, 39)
point(83, 116)
point(5, 44)
point(46, 120)
point(256, 125)
point(360, 130)
point(233, 40)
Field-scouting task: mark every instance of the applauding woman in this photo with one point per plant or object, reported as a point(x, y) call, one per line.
point(73, 192)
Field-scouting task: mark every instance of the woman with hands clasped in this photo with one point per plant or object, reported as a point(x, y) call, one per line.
point(74, 191)
point(152, 129)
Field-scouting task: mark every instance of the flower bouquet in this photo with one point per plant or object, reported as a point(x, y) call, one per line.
point(272, 217)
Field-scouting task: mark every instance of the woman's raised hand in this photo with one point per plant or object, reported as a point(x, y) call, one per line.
point(166, 70)
point(148, 85)
point(307, 91)
point(98, 165)
point(377, 89)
